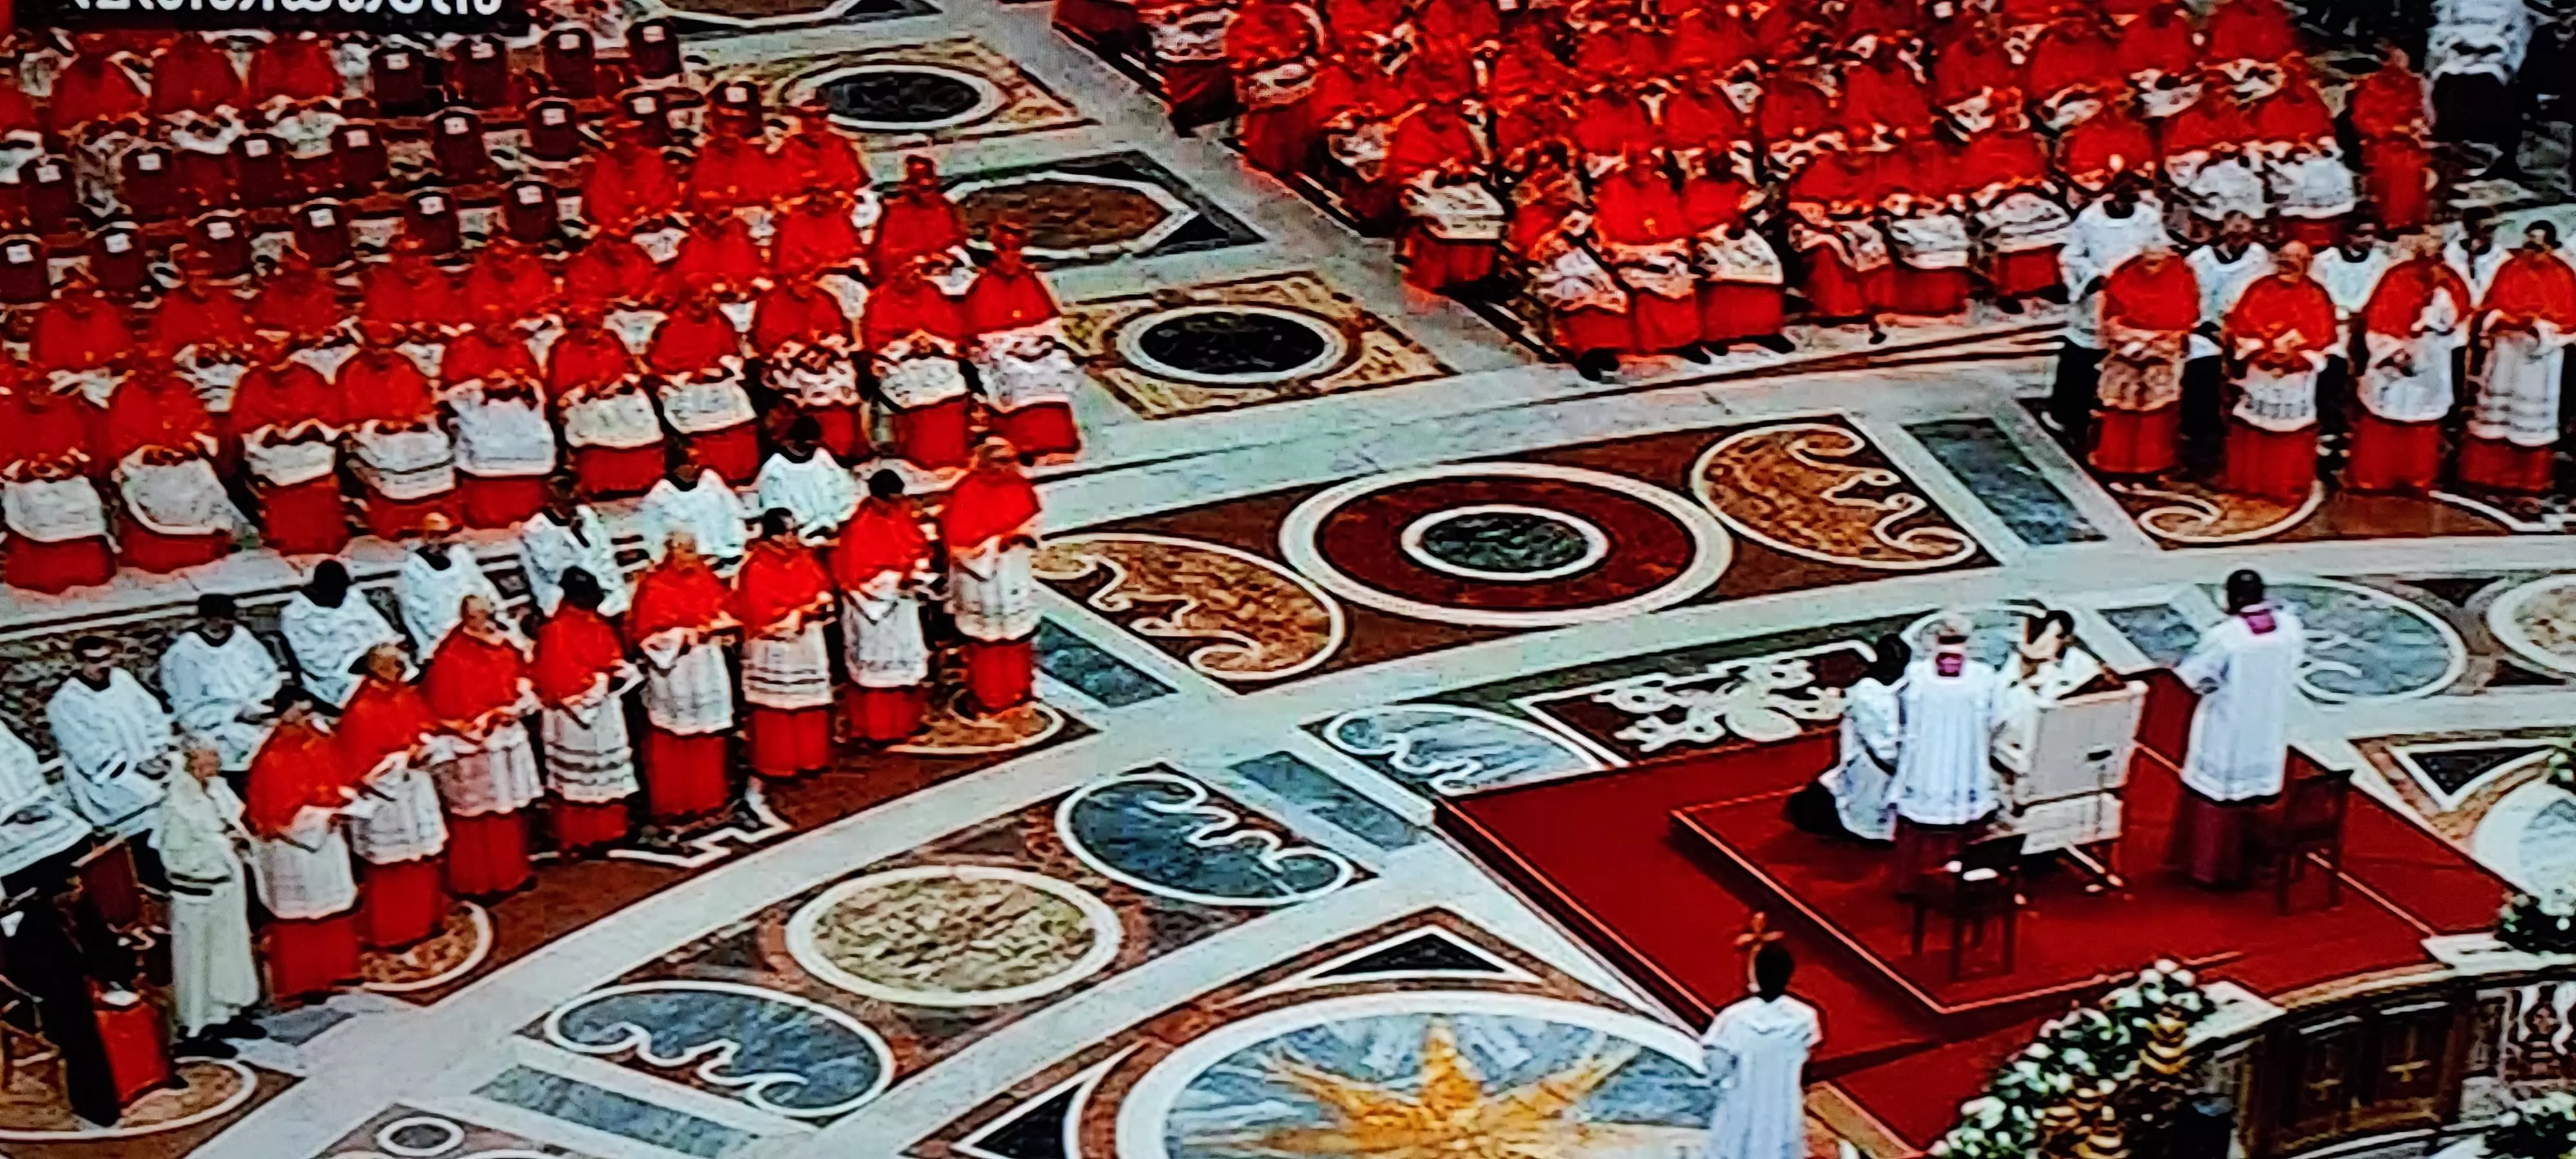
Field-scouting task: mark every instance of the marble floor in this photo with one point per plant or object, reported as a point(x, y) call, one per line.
point(1192, 905)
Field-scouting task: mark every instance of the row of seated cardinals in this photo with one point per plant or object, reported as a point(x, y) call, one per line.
point(456, 392)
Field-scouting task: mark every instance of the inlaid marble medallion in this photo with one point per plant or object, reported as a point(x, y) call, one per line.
point(1094, 209)
point(2537, 622)
point(778, 1052)
point(2189, 514)
point(34, 1109)
point(403, 1132)
point(1821, 491)
point(1241, 343)
point(932, 92)
point(1448, 749)
point(1229, 614)
point(954, 935)
point(1167, 834)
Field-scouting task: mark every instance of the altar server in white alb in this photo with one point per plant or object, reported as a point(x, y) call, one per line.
point(1946, 787)
point(695, 499)
point(566, 534)
point(881, 564)
point(436, 579)
point(35, 822)
point(990, 530)
point(783, 598)
point(1757, 1058)
point(328, 626)
point(220, 679)
point(299, 856)
point(1872, 724)
point(805, 481)
point(116, 741)
point(2246, 671)
point(213, 976)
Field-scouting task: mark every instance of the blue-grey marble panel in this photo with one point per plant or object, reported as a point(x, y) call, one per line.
point(1315, 791)
point(1985, 458)
point(1086, 666)
point(601, 1109)
point(2159, 630)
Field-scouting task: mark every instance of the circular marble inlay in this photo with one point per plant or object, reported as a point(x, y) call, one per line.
point(1612, 546)
point(1453, 749)
point(951, 936)
point(2364, 644)
point(1423, 1073)
point(1505, 542)
point(781, 1053)
point(2537, 623)
point(1232, 345)
point(420, 1135)
point(1227, 613)
point(211, 1089)
point(906, 98)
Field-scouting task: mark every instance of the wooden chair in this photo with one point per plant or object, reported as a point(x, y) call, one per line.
point(21, 1046)
point(2308, 826)
point(1984, 884)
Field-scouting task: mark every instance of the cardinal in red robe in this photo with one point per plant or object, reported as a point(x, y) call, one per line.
point(814, 235)
point(212, 318)
point(387, 718)
point(79, 329)
point(382, 386)
point(509, 281)
point(194, 75)
point(718, 257)
point(286, 416)
point(780, 595)
point(914, 330)
point(1433, 155)
point(476, 684)
point(610, 271)
point(295, 66)
point(156, 422)
point(881, 555)
point(1741, 285)
point(917, 220)
point(2404, 380)
point(575, 648)
point(629, 182)
point(818, 157)
point(684, 773)
point(2525, 320)
point(296, 302)
point(2282, 328)
point(409, 295)
point(1012, 317)
point(2149, 306)
point(988, 526)
point(298, 768)
point(94, 87)
point(2390, 115)
point(45, 444)
point(1642, 230)
point(1271, 49)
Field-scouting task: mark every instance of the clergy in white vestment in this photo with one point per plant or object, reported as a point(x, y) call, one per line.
point(679, 624)
point(784, 598)
point(213, 976)
point(116, 741)
point(436, 578)
point(2246, 671)
point(1946, 787)
point(2047, 666)
point(696, 500)
point(582, 677)
point(2107, 233)
point(35, 822)
point(809, 484)
point(328, 626)
point(2350, 269)
point(881, 565)
point(1870, 741)
point(396, 826)
point(219, 679)
point(566, 534)
point(1756, 1051)
point(299, 856)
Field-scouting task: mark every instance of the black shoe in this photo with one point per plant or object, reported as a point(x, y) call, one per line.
point(1597, 365)
point(2008, 305)
point(1694, 353)
point(239, 1026)
point(1776, 343)
point(203, 1047)
point(1877, 337)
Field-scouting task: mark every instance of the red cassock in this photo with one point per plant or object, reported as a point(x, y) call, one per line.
point(193, 75)
point(695, 338)
point(992, 501)
point(78, 330)
point(484, 352)
point(609, 270)
point(717, 254)
point(917, 220)
point(877, 540)
point(2162, 40)
point(297, 300)
point(44, 431)
point(2009, 157)
point(157, 409)
point(2389, 102)
point(468, 680)
point(2278, 464)
point(684, 776)
point(817, 158)
point(2529, 288)
point(779, 579)
point(192, 315)
point(796, 312)
point(1834, 289)
point(2165, 300)
point(1276, 136)
point(586, 355)
point(813, 235)
point(508, 282)
point(628, 182)
point(298, 519)
point(17, 113)
point(1009, 295)
point(296, 767)
point(93, 88)
point(408, 291)
point(2106, 143)
point(731, 172)
point(2399, 175)
point(404, 902)
point(574, 648)
point(933, 436)
point(1639, 208)
point(2210, 122)
point(1433, 139)
point(1882, 96)
point(2393, 454)
point(2250, 30)
point(2072, 54)
point(1729, 311)
point(384, 385)
point(297, 67)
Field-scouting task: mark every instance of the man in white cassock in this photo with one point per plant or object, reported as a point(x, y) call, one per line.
point(2107, 234)
point(566, 534)
point(219, 679)
point(1870, 742)
point(2246, 671)
point(328, 625)
point(1756, 1052)
point(116, 741)
point(1946, 787)
point(35, 822)
point(435, 579)
point(695, 499)
point(809, 484)
point(213, 976)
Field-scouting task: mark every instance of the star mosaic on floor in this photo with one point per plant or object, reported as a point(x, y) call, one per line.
point(1241, 343)
point(415, 1134)
point(1423, 1036)
point(1086, 210)
point(1405, 562)
point(813, 1006)
point(902, 95)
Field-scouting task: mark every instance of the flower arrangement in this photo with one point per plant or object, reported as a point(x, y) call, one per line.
point(2541, 1128)
point(2054, 1091)
point(2539, 924)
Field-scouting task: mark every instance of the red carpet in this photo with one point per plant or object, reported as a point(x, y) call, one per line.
point(1603, 854)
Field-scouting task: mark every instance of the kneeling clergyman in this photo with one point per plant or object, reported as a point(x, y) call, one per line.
point(2246, 671)
point(1872, 723)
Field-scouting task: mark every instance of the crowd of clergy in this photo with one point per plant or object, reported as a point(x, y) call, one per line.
point(358, 771)
point(727, 278)
point(1928, 741)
